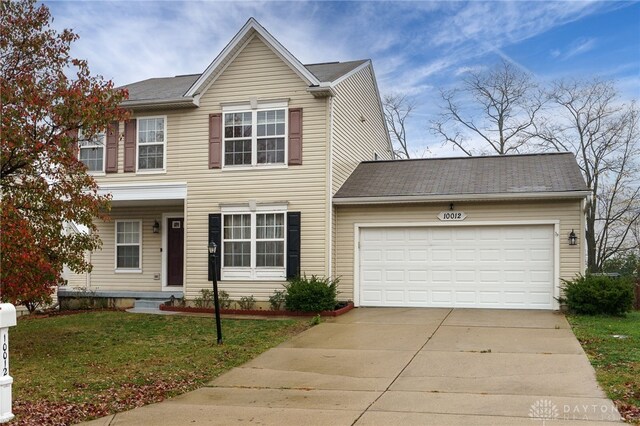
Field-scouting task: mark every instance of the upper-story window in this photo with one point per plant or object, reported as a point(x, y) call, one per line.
point(91, 152)
point(151, 143)
point(256, 137)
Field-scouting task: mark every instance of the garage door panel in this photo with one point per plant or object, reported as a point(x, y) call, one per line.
point(418, 296)
point(504, 267)
point(441, 255)
point(418, 255)
point(541, 254)
point(372, 297)
point(489, 255)
point(442, 296)
point(443, 277)
point(395, 255)
point(467, 297)
point(541, 277)
point(465, 255)
point(515, 297)
point(489, 298)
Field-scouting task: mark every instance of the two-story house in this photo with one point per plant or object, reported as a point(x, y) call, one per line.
point(248, 154)
point(288, 169)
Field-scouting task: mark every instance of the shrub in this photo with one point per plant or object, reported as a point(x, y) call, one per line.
point(247, 302)
point(224, 300)
point(276, 300)
point(204, 301)
point(313, 294)
point(598, 294)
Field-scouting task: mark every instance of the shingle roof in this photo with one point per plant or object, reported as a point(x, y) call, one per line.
point(175, 87)
point(161, 88)
point(512, 174)
point(331, 71)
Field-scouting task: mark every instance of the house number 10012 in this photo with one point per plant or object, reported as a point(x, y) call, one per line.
point(452, 215)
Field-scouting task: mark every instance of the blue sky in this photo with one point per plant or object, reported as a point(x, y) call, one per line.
point(416, 47)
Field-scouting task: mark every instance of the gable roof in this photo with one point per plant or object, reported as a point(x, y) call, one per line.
point(509, 176)
point(236, 44)
point(175, 88)
point(184, 90)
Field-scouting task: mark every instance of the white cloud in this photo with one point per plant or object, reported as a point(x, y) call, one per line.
point(579, 47)
point(467, 69)
point(415, 46)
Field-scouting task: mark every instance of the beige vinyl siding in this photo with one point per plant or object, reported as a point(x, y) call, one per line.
point(355, 140)
point(568, 212)
point(103, 276)
point(74, 279)
point(256, 72)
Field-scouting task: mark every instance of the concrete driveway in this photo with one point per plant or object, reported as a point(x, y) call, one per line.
point(376, 366)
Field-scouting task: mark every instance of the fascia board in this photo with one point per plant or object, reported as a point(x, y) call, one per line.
point(460, 197)
point(159, 103)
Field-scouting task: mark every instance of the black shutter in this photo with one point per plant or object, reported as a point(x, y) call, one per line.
point(215, 235)
point(293, 244)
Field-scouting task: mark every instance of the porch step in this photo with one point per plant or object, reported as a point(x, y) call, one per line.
point(152, 304)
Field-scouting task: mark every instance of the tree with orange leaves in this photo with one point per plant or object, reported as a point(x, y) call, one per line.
point(46, 97)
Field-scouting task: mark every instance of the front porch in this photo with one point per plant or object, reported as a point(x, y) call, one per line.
point(73, 298)
point(143, 251)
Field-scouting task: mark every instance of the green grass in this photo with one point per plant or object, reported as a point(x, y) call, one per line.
point(101, 362)
point(616, 361)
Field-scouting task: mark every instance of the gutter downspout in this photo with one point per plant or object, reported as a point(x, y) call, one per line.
point(330, 191)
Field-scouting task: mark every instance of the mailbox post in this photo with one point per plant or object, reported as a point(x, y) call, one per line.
point(7, 319)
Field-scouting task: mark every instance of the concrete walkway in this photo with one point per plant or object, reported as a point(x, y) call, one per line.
point(388, 366)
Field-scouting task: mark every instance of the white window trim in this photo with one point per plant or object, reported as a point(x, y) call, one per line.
point(118, 270)
point(253, 272)
point(259, 106)
point(164, 146)
point(104, 154)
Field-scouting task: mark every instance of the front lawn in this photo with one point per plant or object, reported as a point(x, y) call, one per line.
point(75, 367)
point(616, 359)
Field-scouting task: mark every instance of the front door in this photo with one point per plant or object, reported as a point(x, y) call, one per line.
point(175, 250)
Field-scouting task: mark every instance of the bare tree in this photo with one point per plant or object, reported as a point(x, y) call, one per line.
point(590, 121)
point(496, 108)
point(397, 109)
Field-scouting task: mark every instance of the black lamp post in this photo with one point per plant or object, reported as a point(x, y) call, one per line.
point(216, 303)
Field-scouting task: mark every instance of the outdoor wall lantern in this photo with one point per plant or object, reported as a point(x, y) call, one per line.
point(156, 227)
point(213, 247)
point(573, 239)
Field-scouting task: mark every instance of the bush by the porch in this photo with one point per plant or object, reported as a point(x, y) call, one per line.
point(313, 294)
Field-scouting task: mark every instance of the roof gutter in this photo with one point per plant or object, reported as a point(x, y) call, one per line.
point(183, 102)
point(459, 197)
point(321, 91)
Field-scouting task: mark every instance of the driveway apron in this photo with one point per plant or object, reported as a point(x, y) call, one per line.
point(408, 366)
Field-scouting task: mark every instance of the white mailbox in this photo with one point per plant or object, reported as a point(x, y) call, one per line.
point(7, 319)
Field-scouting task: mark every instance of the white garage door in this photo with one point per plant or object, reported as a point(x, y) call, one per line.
point(463, 266)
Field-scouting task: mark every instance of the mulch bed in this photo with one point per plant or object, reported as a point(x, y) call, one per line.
point(260, 312)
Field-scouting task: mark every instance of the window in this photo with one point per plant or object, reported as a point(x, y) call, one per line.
point(151, 143)
point(237, 240)
point(128, 244)
point(270, 240)
point(255, 137)
point(92, 152)
point(253, 245)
